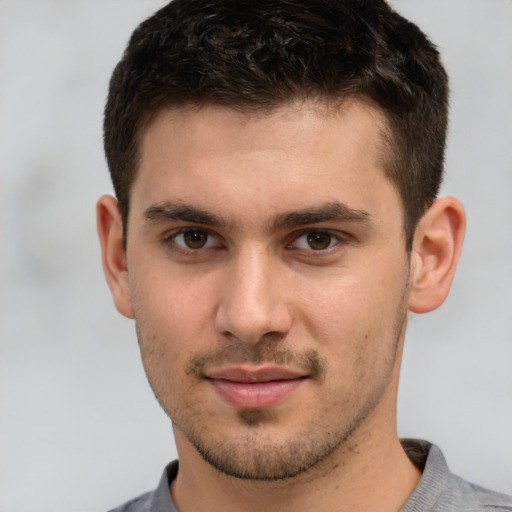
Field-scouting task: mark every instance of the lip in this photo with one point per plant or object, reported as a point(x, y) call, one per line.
point(260, 388)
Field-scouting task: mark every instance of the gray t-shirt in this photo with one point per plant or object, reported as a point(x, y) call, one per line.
point(438, 490)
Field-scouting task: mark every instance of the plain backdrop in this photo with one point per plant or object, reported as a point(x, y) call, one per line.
point(79, 428)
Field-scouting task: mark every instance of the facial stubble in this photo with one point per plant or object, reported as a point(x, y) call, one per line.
point(251, 457)
point(257, 455)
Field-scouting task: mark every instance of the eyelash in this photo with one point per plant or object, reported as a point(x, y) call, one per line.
point(336, 238)
point(170, 240)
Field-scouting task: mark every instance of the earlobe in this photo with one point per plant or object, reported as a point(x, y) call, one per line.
point(113, 253)
point(436, 249)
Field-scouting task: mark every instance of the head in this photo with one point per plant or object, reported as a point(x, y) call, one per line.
point(276, 165)
point(254, 57)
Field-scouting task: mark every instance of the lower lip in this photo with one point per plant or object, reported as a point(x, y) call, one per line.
point(255, 395)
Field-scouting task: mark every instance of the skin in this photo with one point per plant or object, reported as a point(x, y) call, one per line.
point(266, 244)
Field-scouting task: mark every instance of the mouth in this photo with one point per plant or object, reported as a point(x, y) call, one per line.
point(255, 389)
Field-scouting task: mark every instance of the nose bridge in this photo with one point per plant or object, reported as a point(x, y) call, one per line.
point(252, 303)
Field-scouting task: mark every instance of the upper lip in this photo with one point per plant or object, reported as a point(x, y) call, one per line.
point(252, 375)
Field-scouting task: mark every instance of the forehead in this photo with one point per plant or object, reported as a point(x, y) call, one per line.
point(292, 157)
point(323, 119)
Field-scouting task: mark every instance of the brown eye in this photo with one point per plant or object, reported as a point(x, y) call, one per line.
point(319, 240)
point(194, 239)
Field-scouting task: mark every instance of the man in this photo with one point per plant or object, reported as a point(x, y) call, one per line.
point(276, 166)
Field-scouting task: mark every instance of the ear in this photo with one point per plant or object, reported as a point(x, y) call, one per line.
point(113, 253)
point(436, 249)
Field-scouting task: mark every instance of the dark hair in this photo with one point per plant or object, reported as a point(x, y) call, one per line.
point(255, 55)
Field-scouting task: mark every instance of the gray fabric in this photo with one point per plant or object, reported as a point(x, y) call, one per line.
point(438, 490)
point(158, 500)
point(441, 491)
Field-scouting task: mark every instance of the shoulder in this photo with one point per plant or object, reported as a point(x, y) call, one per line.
point(474, 498)
point(159, 500)
point(439, 490)
point(141, 503)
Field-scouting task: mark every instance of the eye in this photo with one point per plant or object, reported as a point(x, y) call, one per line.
point(316, 240)
point(193, 239)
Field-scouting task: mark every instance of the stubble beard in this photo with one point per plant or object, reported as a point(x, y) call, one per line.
point(256, 459)
point(256, 456)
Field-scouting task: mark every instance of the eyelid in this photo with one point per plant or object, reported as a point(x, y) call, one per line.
point(170, 237)
point(340, 237)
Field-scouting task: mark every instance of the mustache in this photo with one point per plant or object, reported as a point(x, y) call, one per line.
point(271, 353)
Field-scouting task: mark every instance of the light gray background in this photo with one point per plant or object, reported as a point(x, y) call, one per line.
point(79, 428)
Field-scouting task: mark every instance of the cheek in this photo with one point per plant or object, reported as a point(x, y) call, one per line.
point(173, 302)
point(174, 313)
point(354, 317)
point(347, 305)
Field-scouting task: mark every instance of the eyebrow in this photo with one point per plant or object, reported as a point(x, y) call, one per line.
point(183, 212)
point(328, 212)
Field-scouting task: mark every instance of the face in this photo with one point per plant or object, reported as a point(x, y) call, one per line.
point(268, 278)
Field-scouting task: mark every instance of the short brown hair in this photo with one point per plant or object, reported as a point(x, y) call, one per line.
point(257, 55)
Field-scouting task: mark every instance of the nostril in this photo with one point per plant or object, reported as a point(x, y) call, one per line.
point(271, 337)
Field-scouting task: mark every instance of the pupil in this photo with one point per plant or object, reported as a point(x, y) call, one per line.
point(195, 239)
point(318, 241)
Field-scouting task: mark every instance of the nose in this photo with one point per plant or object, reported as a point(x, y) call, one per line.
point(252, 305)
